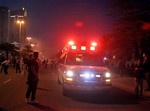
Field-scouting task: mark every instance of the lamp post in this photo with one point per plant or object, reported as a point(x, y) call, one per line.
point(20, 22)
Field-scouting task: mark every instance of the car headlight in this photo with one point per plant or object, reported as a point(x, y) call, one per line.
point(69, 73)
point(107, 74)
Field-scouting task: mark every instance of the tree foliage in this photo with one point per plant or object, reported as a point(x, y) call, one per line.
point(129, 17)
point(9, 48)
point(26, 50)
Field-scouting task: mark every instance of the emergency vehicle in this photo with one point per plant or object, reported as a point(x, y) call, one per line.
point(81, 68)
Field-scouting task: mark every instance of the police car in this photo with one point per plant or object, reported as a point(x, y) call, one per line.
point(82, 68)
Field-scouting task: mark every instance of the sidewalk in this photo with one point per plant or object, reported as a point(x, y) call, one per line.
point(127, 83)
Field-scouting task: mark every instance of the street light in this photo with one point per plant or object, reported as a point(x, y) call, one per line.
point(20, 22)
point(29, 40)
point(32, 45)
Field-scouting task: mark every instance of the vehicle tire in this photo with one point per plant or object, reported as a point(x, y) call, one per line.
point(65, 92)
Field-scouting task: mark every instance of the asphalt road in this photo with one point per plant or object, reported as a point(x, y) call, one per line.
point(49, 93)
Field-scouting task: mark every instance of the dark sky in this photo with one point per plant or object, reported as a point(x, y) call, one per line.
point(54, 22)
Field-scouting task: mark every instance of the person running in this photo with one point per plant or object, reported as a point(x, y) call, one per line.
point(6, 66)
point(32, 81)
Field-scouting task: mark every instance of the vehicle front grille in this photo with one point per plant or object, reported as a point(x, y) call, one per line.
point(89, 80)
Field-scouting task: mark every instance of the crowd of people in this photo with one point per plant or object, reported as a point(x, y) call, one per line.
point(142, 71)
point(31, 65)
point(139, 68)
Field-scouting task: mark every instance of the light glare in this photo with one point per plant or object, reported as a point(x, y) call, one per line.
point(69, 73)
point(107, 74)
point(94, 44)
point(71, 43)
point(74, 47)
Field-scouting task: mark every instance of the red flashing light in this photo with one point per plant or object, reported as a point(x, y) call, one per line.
point(94, 44)
point(92, 48)
point(83, 47)
point(74, 47)
point(71, 42)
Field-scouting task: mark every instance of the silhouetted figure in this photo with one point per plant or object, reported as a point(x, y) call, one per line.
point(139, 75)
point(33, 69)
point(6, 66)
point(146, 65)
point(18, 61)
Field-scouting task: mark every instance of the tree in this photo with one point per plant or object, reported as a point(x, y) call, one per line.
point(26, 50)
point(129, 18)
point(9, 48)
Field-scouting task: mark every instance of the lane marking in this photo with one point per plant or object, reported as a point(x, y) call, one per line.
point(6, 81)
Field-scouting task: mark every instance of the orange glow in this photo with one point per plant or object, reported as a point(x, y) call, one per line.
point(20, 22)
point(69, 79)
point(108, 80)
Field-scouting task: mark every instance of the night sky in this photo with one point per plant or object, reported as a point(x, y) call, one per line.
point(54, 22)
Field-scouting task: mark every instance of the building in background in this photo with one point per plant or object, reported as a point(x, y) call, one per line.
point(13, 25)
point(18, 22)
point(4, 24)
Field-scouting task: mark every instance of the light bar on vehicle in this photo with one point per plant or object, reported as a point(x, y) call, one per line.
point(94, 44)
point(71, 43)
point(83, 47)
point(74, 47)
point(92, 48)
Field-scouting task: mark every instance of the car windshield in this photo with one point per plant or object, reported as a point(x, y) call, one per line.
point(84, 59)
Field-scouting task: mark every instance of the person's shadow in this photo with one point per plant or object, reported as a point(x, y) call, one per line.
point(43, 107)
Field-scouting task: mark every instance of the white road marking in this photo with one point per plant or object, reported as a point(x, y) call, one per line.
point(6, 81)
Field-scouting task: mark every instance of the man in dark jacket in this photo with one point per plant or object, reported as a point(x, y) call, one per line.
point(146, 66)
point(139, 75)
point(33, 69)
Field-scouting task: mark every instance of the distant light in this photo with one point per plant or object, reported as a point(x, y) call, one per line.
point(114, 57)
point(32, 45)
point(20, 22)
point(28, 38)
point(105, 58)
